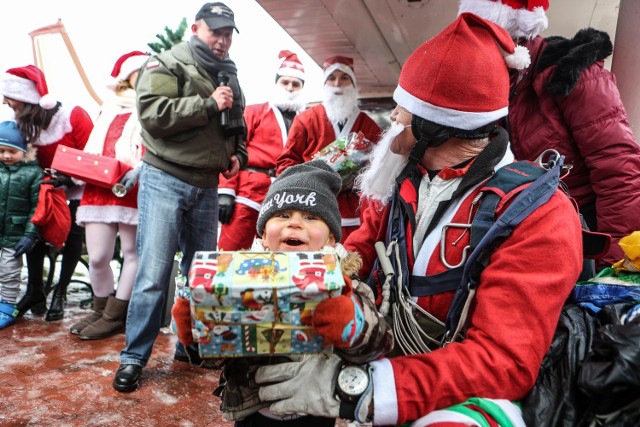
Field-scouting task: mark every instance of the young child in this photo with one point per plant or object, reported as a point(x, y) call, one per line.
point(300, 213)
point(19, 186)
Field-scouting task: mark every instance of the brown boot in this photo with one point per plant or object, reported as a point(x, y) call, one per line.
point(98, 307)
point(112, 321)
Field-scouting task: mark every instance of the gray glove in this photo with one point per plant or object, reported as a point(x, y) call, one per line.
point(306, 387)
point(130, 178)
point(25, 245)
point(226, 203)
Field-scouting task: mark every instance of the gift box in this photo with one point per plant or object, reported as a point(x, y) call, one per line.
point(260, 303)
point(90, 168)
point(347, 156)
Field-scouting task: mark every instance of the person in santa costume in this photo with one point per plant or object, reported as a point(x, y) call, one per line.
point(104, 215)
point(568, 101)
point(428, 171)
point(337, 116)
point(240, 197)
point(46, 123)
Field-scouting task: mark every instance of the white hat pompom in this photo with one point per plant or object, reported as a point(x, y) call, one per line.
point(48, 102)
point(519, 59)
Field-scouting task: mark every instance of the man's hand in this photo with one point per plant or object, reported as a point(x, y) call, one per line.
point(223, 96)
point(305, 387)
point(181, 313)
point(130, 178)
point(234, 167)
point(25, 245)
point(226, 204)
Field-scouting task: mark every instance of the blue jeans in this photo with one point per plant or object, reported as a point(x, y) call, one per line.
point(172, 215)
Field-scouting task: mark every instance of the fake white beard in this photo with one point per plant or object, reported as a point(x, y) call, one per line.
point(378, 180)
point(287, 101)
point(339, 107)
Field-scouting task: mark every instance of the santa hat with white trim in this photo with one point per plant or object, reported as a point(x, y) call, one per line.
point(459, 78)
point(338, 62)
point(27, 84)
point(521, 18)
point(126, 65)
point(290, 66)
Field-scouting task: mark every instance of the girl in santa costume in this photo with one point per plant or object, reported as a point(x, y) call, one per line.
point(46, 123)
point(103, 214)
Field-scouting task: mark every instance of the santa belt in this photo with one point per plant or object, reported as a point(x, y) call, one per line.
point(269, 172)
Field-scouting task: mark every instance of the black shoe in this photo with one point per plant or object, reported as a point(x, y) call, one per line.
point(34, 301)
point(193, 358)
point(127, 377)
point(58, 301)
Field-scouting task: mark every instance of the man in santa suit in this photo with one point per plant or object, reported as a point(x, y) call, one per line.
point(337, 116)
point(240, 197)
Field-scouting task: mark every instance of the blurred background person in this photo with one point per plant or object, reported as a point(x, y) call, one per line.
point(103, 215)
point(268, 124)
point(46, 123)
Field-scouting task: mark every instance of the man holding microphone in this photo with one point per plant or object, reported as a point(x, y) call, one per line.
point(182, 103)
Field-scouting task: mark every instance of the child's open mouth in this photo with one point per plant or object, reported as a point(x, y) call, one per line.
point(293, 242)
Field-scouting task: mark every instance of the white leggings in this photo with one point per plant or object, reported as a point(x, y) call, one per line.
point(101, 242)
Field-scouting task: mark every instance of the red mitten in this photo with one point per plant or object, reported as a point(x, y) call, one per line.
point(339, 320)
point(181, 313)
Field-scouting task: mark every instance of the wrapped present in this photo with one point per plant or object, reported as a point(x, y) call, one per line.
point(260, 303)
point(91, 168)
point(347, 156)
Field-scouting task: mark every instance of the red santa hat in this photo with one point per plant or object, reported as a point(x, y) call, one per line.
point(126, 65)
point(290, 65)
point(521, 18)
point(459, 77)
point(27, 84)
point(342, 63)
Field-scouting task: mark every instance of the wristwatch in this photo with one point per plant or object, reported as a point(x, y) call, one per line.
point(352, 382)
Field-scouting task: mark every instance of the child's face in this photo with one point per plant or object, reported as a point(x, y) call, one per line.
point(295, 230)
point(10, 155)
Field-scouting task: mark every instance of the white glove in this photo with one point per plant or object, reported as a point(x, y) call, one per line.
point(306, 387)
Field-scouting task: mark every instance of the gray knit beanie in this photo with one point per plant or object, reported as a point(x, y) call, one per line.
point(310, 187)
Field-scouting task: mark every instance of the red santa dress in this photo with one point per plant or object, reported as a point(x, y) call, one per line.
point(116, 135)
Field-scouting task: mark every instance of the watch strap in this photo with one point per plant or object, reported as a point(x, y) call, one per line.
point(347, 410)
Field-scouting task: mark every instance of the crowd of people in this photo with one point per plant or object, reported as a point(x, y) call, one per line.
point(437, 327)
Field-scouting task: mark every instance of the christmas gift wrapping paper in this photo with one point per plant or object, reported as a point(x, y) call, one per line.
point(347, 156)
point(260, 303)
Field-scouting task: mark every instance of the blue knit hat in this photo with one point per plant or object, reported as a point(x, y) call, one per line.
point(11, 137)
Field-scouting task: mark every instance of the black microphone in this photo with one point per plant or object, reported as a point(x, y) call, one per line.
point(223, 80)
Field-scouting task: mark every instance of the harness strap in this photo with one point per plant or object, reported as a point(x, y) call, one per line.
point(448, 280)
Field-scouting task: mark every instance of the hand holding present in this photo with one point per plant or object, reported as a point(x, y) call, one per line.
point(181, 313)
point(340, 320)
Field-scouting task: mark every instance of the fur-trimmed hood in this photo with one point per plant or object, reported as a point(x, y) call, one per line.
point(572, 56)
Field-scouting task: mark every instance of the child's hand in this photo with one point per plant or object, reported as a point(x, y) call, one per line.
point(339, 320)
point(181, 313)
point(25, 245)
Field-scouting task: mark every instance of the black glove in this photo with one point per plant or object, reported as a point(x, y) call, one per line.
point(130, 178)
point(226, 203)
point(58, 180)
point(25, 245)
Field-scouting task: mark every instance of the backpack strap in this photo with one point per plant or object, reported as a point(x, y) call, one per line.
point(487, 233)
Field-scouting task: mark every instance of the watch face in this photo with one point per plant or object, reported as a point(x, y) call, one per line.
point(353, 380)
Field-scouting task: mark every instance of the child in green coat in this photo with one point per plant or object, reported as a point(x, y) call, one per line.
point(19, 187)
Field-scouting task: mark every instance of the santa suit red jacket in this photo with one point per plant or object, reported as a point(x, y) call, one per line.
point(568, 101)
point(312, 131)
point(70, 128)
point(266, 136)
point(512, 318)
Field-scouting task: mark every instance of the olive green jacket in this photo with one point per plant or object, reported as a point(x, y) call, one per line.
point(181, 121)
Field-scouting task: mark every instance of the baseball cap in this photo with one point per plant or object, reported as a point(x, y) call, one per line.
point(217, 15)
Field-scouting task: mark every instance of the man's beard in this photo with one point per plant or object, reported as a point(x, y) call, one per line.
point(287, 101)
point(378, 180)
point(339, 107)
